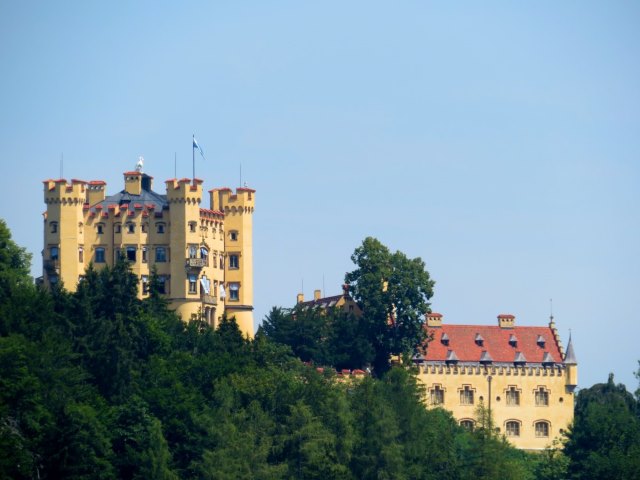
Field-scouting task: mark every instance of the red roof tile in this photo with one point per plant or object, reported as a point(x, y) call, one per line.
point(462, 341)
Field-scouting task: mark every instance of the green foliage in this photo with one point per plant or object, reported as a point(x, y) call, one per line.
point(604, 441)
point(393, 292)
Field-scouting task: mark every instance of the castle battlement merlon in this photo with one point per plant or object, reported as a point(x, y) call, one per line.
point(223, 199)
point(184, 190)
point(59, 191)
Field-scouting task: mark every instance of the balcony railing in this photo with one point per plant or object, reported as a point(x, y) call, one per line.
point(196, 262)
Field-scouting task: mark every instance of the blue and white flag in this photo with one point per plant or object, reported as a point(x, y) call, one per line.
point(196, 146)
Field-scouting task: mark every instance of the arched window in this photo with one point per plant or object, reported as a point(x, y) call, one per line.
point(542, 397)
point(512, 428)
point(542, 428)
point(467, 423)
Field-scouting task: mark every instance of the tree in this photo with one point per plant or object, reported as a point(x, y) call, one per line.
point(604, 441)
point(393, 292)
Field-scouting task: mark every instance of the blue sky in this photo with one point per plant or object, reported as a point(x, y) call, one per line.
point(498, 141)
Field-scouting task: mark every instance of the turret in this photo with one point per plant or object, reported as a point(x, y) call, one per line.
point(571, 364)
point(238, 210)
point(63, 254)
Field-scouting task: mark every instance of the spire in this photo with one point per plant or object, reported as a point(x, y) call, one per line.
point(570, 356)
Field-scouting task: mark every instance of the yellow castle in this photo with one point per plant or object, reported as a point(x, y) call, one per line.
point(203, 257)
point(521, 375)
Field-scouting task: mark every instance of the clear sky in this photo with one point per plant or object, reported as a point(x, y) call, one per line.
point(499, 141)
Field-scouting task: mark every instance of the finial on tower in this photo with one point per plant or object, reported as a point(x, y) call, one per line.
point(551, 322)
point(140, 164)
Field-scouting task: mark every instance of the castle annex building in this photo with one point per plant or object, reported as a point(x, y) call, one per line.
point(203, 257)
point(521, 374)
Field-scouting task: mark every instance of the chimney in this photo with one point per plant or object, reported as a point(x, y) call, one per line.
point(506, 320)
point(317, 294)
point(300, 298)
point(434, 319)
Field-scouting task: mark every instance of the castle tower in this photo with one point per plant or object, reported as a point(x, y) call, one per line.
point(63, 254)
point(184, 198)
point(571, 364)
point(238, 244)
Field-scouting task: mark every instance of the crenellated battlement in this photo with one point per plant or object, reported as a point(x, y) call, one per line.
point(184, 190)
point(59, 191)
point(556, 370)
point(223, 199)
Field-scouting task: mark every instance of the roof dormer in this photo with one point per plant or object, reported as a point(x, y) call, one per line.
point(444, 339)
point(541, 341)
point(513, 341)
point(479, 340)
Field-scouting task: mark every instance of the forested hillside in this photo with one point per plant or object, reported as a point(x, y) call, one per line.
point(98, 384)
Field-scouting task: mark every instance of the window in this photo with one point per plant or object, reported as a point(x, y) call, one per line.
point(100, 228)
point(437, 395)
point(161, 254)
point(54, 253)
point(192, 227)
point(513, 428)
point(145, 284)
point(131, 228)
point(193, 251)
point(466, 396)
point(99, 255)
point(542, 397)
point(54, 227)
point(234, 289)
point(222, 262)
point(513, 397)
point(233, 236)
point(468, 424)
point(81, 254)
point(204, 253)
point(160, 227)
point(163, 284)
point(143, 227)
point(233, 262)
point(131, 254)
point(117, 228)
point(542, 429)
point(193, 283)
point(144, 254)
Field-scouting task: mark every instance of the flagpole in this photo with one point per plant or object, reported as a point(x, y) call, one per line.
point(193, 154)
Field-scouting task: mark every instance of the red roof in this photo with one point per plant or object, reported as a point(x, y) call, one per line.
point(462, 341)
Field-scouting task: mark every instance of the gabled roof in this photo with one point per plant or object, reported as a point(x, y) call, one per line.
point(462, 340)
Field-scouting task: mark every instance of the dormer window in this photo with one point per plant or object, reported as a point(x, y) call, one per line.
point(485, 358)
point(547, 359)
point(452, 358)
point(479, 339)
point(513, 341)
point(519, 360)
point(444, 339)
point(540, 341)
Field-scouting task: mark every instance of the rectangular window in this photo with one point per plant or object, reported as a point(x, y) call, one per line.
point(131, 254)
point(99, 255)
point(54, 253)
point(160, 227)
point(234, 291)
point(234, 262)
point(542, 398)
point(145, 284)
point(192, 227)
point(542, 429)
point(161, 254)
point(117, 228)
point(193, 283)
point(437, 396)
point(233, 236)
point(466, 396)
point(513, 429)
point(513, 397)
point(54, 227)
point(80, 254)
point(193, 251)
point(99, 228)
point(222, 262)
point(144, 254)
point(163, 284)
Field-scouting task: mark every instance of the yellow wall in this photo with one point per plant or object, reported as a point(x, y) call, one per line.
point(559, 412)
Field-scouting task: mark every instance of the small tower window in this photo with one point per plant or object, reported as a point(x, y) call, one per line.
point(54, 227)
point(100, 228)
point(192, 227)
point(99, 255)
point(233, 236)
point(80, 254)
point(131, 228)
point(54, 253)
point(160, 228)
point(234, 262)
point(234, 291)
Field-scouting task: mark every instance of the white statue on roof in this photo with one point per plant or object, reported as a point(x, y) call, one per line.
point(139, 164)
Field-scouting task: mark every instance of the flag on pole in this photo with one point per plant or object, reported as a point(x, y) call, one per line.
point(196, 146)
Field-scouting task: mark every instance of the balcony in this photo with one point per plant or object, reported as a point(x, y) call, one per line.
point(209, 299)
point(52, 266)
point(196, 262)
